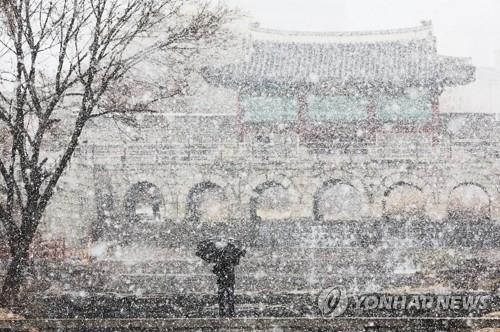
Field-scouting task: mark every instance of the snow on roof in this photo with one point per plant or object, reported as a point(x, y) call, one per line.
point(401, 57)
point(424, 31)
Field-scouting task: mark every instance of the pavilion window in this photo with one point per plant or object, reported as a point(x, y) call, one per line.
point(412, 106)
point(269, 109)
point(337, 108)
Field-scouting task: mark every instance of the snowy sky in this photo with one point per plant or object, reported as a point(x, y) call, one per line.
point(462, 27)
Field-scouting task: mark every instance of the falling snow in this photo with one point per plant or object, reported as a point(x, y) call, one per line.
point(280, 179)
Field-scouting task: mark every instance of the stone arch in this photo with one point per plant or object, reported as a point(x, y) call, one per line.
point(207, 201)
point(404, 199)
point(252, 190)
point(469, 200)
point(337, 199)
point(271, 200)
point(259, 179)
point(166, 186)
point(417, 180)
point(143, 202)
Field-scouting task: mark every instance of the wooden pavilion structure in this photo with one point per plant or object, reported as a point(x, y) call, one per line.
point(343, 85)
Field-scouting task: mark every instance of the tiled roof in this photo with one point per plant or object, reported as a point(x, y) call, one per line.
point(405, 57)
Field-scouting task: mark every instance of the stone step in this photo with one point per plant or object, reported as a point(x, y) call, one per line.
point(303, 261)
point(179, 284)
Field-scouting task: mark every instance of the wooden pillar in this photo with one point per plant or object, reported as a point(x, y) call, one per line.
point(371, 118)
point(302, 103)
point(435, 116)
point(239, 117)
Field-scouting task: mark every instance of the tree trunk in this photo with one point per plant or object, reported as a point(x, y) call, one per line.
point(15, 276)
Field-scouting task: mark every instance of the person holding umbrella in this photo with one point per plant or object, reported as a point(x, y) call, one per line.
point(226, 255)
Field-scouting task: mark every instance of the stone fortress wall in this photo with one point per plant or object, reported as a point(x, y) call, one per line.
point(178, 162)
point(378, 216)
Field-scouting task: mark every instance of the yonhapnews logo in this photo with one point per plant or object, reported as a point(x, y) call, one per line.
point(334, 301)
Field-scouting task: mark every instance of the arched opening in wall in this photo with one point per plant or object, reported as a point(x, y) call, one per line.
point(207, 202)
point(404, 200)
point(469, 200)
point(142, 202)
point(272, 202)
point(337, 200)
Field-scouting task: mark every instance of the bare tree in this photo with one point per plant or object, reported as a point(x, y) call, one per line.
point(63, 60)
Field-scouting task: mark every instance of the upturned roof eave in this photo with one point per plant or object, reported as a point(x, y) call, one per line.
point(288, 83)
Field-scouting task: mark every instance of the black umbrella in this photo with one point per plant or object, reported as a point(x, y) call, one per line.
point(217, 249)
